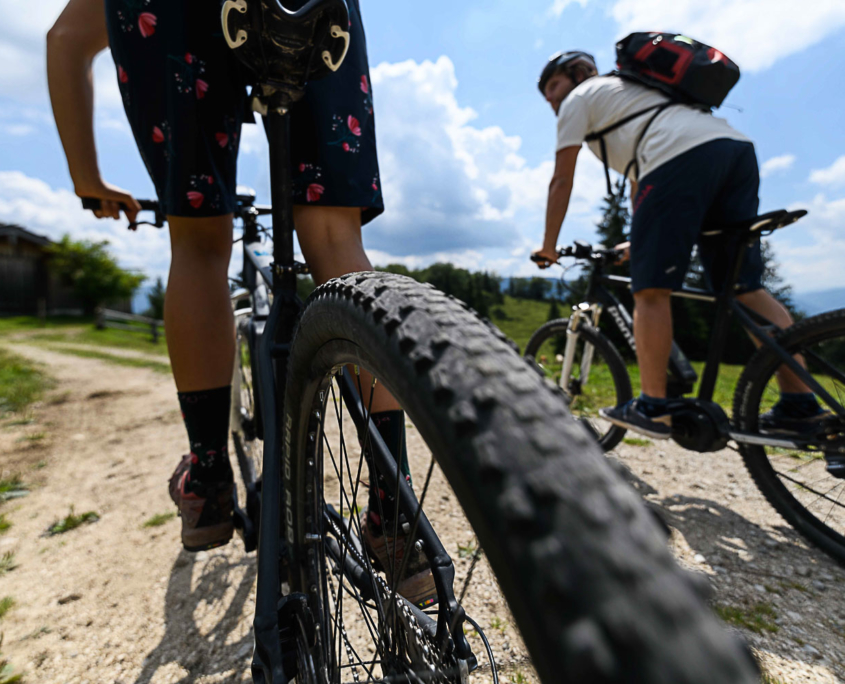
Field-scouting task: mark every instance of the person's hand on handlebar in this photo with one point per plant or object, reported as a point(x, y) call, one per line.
point(624, 252)
point(112, 201)
point(544, 257)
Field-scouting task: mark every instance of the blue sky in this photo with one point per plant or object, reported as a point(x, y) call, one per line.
point(466, 141)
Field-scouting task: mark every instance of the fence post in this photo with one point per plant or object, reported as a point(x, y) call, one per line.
point(101, 318)
point(154, 325)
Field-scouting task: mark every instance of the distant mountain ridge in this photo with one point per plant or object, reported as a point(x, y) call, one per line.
point(812, 303)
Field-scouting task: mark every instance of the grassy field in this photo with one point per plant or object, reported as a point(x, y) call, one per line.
point(82, 331)
point(21, 383)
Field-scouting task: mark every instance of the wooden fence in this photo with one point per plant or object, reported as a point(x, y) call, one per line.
point(107, 318)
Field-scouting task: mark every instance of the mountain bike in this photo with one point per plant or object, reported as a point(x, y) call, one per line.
point(802, 476)
point(563, 547)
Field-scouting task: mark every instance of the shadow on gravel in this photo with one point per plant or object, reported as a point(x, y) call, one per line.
point(200, 587)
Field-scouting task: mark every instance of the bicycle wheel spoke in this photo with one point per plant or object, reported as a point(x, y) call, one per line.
point(836, 504)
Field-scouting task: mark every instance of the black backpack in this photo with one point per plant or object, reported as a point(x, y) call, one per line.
point(687, 71)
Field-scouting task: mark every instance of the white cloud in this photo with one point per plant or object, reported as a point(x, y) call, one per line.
point(814, 248)
point(33, 204)
point(19, 130)
point(832, 175)
point(451, 186)
point(775, 164)
point(558, 6)
point(23, 45)
point(754, 33)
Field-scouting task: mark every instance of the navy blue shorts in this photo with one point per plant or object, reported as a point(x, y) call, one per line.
point(706, 188)
point(185, 97)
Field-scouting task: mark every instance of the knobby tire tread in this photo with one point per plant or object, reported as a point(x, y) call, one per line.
point(585, 570)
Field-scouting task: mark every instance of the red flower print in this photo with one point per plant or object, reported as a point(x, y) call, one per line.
point(315, 190)
point(346, 147)
point(158, 136)
point(189, 58)
point(302, 168)
point(210, 180)
point(365, 85)
point(147, 23)
point(354, 126)
point(375, 187)
point(222, 139)
point(122, 76)
point(196, 199)
point(202, 86)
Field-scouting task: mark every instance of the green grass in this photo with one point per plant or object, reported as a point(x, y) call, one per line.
point(521, 318)
point(15, 324)
point(71, 521)
point(21, 383)
point(10, 485)
point(157, 366)
point(467, 550)
point(7, 562)
point(32, 437)
point(766, 678)
point(122, 339)
point(6, 604)
point(637, 441)
point(4, 523)
point(758, 618)
point(159, 519)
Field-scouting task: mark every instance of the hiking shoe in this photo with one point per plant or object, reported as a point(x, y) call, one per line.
point(417, 582)
point(206, 513)
point(631, 417)
point(779, 419)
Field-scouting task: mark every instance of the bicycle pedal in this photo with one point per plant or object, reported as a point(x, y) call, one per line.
point(836, 466)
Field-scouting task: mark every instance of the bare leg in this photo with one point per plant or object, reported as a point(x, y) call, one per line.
point(197, 311)
point(330, 238)
point(653, 335)
point(766, 305)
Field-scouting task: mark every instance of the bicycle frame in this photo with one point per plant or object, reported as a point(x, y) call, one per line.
point(682, 376)
point(275, 271)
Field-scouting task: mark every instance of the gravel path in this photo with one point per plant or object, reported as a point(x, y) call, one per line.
point(115, 601)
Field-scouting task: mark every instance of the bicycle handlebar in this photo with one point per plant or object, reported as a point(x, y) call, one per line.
point(242, 209)
point(585, 251)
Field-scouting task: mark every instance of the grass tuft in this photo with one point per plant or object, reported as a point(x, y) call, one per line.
point(7, 562)
point(71, 521)
point(4, 523)
point(758, 618)
point(637, 441)
point(21, 383)
point(6, 604)
point(159, 519)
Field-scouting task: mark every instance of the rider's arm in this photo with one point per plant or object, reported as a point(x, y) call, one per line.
point(78, 35)
point(560, 190)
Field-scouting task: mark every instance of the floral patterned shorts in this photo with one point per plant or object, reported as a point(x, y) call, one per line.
point(185, 97)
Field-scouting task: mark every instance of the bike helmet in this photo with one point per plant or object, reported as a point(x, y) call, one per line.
point(560, 60)
point(285, 48)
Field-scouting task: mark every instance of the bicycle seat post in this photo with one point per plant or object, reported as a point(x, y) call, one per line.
point(277, 127)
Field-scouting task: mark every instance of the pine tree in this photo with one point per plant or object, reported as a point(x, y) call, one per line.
point(613, 227)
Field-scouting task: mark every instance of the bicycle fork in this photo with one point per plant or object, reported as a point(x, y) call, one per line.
point(582, 313)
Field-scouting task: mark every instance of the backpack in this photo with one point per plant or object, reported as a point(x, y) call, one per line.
point(687, 71)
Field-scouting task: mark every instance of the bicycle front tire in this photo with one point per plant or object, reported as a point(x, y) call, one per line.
point(583, 567)
point(609, 435)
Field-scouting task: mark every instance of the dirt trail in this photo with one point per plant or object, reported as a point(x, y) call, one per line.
point(116, 602)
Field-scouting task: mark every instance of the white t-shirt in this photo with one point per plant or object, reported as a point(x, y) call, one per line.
point(601, 101)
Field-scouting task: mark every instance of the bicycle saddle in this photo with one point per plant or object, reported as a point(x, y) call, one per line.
point(764, 223)
point(284, 48)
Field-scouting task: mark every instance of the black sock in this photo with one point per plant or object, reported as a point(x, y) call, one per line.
point(206, 415)
point(391, 427)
